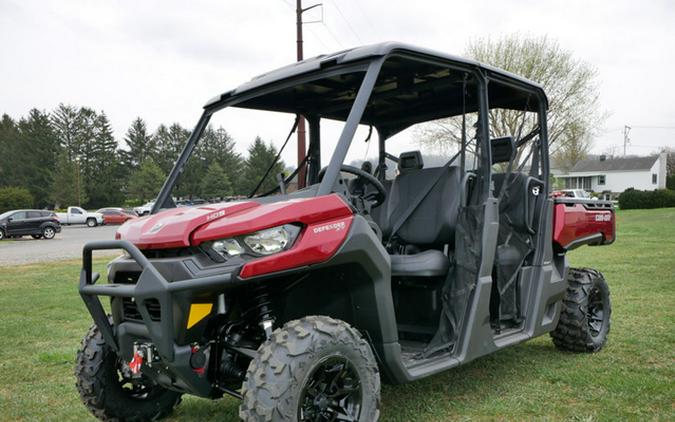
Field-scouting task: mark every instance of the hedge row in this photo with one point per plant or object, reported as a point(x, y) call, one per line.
point(12, 198)
point(670, 182)
point(642, 199)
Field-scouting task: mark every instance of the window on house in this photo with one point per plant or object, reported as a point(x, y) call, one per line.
point(601, 179)
point(654, 178)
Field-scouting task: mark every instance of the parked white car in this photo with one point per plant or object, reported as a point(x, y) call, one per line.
point(77, 215)
point(144, 209)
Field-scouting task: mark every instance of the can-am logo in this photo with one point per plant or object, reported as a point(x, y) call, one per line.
point(603, 217)
point(334, 226)
point(154, 229)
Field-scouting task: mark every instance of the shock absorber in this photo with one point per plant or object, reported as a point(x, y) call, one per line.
point(261, 309)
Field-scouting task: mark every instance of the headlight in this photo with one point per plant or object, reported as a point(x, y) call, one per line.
point(263, 242)
point(271, 241)
point(228, 247)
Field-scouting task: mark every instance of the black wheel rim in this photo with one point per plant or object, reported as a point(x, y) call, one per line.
point(596, 312)
point(332, 392)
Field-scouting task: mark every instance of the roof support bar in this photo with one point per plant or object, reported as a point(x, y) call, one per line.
point(349, 129)
point(164, 198)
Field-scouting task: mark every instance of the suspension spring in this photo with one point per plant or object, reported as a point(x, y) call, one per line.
point(261, 304)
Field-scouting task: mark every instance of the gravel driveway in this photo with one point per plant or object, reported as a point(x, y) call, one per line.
point(66, 245)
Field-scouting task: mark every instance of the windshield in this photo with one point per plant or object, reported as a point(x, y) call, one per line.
point(5, 215)
point(251, 149)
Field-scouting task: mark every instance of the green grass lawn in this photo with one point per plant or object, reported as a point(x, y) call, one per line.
point(42, 320)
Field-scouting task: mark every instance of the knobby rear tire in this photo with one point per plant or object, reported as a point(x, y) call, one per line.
point(575, 331)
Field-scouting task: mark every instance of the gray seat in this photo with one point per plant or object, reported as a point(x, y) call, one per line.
point(431, 225)
point(430, 263)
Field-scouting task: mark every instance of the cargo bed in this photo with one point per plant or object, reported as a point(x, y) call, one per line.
point(578, 222)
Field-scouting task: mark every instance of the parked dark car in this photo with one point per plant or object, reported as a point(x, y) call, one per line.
point(36, 223)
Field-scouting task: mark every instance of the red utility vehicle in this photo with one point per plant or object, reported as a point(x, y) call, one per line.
point(299, 303)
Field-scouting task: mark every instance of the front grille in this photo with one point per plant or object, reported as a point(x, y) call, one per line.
point(131, 312)
point(168, 253)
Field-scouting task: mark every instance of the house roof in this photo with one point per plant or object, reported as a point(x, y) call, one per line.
point(615, 164)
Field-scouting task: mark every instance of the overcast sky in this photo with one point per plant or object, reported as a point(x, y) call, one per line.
point(162, 60)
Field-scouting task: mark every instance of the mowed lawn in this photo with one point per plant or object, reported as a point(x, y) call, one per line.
point(42, 320)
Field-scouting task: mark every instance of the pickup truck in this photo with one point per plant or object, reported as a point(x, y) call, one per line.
point(77, 215)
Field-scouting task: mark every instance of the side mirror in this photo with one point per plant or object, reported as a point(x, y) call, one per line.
point(502, 149)
point(10, 219)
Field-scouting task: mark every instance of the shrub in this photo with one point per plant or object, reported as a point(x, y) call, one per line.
point(639, 199)
point(670, 182)
point(12, 198)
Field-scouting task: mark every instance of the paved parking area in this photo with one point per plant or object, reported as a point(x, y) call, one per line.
point(66, 245)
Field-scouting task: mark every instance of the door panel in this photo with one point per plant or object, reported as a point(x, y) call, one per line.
point(18, 224)
point(33, 221)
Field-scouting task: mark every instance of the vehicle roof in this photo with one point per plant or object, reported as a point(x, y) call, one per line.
point(29, 209)
point(362, 53)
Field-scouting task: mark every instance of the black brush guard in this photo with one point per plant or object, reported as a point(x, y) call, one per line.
point(150, 285)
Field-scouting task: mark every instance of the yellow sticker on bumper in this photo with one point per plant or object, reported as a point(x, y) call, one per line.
point(197, 313)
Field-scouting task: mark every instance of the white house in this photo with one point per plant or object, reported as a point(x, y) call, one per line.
point(615, 175)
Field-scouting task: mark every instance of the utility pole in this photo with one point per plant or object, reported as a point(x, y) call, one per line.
point(626, 138)
point(302, 149)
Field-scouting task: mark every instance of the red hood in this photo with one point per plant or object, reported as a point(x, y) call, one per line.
point(182, 227)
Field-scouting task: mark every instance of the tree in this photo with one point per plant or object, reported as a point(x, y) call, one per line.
point(574, 115)
point(67, 123)
point(216, 183)
point(146, 181)
point(141, 144)
point(260, 158)
point(66, 188)
point(12, 198)
point(39, 151)
point(218, 146)
point(169, 143)
point(98, 159)
point(9, 145)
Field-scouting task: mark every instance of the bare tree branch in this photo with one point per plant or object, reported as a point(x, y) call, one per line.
point(574, 115)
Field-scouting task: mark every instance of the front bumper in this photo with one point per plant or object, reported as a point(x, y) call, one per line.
point(153, 289)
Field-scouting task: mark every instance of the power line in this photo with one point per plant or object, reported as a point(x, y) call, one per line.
point(351, 28)
point(319, 40)
point(332, 35)
point(364, 15)
point(316, 37)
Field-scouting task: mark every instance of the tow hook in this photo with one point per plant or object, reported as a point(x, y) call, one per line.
point(143, 353)
point(136, 363)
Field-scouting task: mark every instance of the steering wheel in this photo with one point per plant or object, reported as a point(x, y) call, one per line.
point(375, 198)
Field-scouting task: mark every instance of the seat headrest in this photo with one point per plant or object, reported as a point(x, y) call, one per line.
point(410, 161)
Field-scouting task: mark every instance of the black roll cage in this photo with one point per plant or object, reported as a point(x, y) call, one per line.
point(371, 66)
